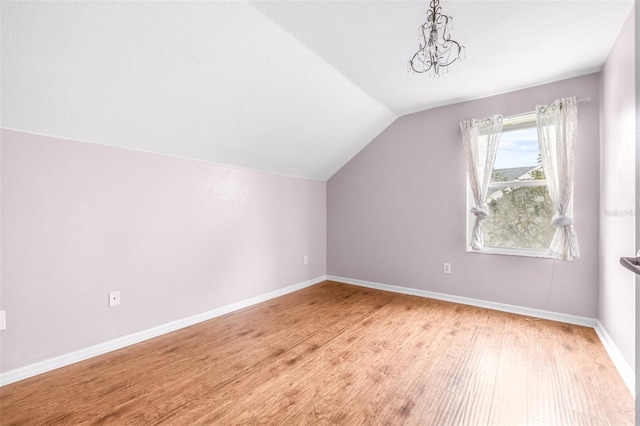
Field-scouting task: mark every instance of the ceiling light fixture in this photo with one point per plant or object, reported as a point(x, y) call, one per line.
point(437, 50)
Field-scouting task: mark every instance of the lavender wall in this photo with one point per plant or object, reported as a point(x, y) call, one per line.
point(176, 237)
point(397, 210)
point(617, 192)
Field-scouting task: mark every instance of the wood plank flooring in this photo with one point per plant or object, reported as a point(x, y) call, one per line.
point(340, 354)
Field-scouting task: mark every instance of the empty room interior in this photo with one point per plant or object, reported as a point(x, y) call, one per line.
point(318, 212)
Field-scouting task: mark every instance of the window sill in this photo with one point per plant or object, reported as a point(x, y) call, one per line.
point(513, 252)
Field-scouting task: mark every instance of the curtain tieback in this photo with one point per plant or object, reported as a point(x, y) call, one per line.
point(560, 220)
point(480, 213)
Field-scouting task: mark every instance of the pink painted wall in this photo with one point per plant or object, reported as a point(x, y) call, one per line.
point(617, 192)
point(397, 210)
point(176, 237)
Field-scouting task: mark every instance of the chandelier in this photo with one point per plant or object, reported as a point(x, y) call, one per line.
point(437, 50)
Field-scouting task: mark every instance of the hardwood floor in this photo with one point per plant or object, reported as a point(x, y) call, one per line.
point(340, 354)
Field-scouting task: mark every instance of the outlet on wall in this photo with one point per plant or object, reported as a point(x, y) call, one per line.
point(305, 259)
point(446, 268)
point(114, 298)
point(3, 320)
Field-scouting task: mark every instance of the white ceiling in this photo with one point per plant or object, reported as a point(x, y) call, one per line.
point(290, 87)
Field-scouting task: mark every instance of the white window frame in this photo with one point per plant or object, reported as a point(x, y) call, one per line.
point(512, 123)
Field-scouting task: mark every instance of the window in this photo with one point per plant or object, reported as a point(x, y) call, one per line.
point(523, 199)
point(518, 201)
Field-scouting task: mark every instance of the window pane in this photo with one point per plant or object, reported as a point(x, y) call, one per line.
point(519, 217)
point(518, 148)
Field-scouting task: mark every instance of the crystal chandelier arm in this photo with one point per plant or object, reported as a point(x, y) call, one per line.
point(420, 64)
point(455, 53)
point(423, 34)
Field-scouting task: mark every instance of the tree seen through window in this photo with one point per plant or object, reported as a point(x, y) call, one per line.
point(520, 207)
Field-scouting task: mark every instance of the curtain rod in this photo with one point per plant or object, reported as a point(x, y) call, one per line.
point(524, 114)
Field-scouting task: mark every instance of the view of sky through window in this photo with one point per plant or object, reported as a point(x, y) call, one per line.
point(518, 148)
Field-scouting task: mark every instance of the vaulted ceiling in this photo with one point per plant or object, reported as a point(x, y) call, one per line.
point(292, 87)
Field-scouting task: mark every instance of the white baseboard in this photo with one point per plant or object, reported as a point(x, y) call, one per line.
point(536, 313)
point(621, 364)
point(63, 360)
point(618, 360)
point(112, 345)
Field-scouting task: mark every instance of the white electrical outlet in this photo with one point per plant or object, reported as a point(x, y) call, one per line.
point(306, 259)
point(114, 298)
point(3, 320)
point(446, 268)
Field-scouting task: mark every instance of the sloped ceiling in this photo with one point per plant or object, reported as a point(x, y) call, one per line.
point(296, 88)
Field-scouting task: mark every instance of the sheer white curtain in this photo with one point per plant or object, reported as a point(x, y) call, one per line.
point(557, 132)
point(480, 139)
